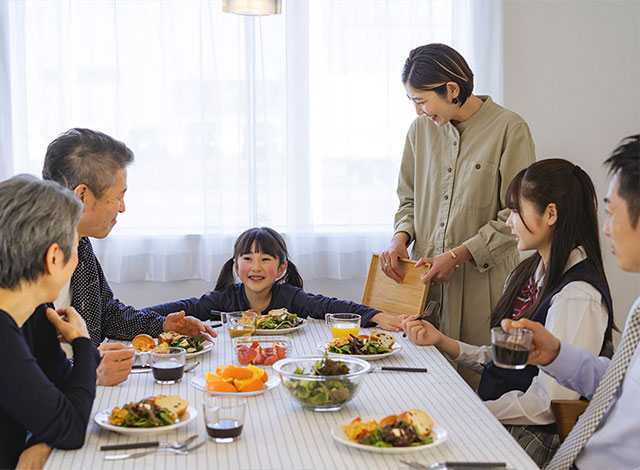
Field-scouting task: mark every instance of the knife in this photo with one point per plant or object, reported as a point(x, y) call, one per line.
point(399, 369)
point(143, 445)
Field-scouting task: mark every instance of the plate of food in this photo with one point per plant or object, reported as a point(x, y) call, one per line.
point(410, 431)
point(236, 380)
point(194, 345)
point(372, 347)
point(152, 415)
point(279, 322)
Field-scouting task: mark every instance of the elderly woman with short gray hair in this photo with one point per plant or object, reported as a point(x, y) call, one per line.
point(44, 401)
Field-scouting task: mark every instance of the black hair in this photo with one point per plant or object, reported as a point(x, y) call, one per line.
point(265, 240)
point(82, 156)
point(625, 163)
point(432, 66)
point(567, 186)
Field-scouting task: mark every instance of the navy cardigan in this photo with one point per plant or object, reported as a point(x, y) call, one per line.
point(43, 398)
point(294, 299)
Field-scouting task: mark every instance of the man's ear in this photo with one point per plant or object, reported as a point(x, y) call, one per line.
point(81, 191)
point(551, 214)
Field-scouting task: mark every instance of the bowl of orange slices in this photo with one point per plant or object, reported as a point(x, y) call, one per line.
point(235, 380)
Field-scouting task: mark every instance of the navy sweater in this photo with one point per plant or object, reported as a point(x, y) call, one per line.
point(43, 398)
point(294, 299)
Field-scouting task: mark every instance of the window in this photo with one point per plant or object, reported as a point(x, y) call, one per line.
point(296, 121)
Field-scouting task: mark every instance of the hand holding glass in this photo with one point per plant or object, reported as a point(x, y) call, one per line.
point(511, 348)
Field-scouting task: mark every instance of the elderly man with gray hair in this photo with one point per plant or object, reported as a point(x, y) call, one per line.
point(45, 402)
point(94, 166)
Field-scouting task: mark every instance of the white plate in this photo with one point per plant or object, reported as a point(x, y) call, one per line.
point(102, 419)
point(201, 384)
point(322, 347)
point(207, 346)
point(438, 434)
point(282, 331)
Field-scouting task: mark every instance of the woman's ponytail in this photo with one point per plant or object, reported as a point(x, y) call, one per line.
point(225, 278)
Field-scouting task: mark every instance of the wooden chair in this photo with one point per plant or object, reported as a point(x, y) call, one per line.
point(382, 293)
point(567, 413)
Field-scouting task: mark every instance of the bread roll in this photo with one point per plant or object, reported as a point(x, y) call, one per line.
point(173, 403)
point(418, 418)
point(385, 339)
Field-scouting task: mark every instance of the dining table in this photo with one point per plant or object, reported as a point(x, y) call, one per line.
point(279, 434)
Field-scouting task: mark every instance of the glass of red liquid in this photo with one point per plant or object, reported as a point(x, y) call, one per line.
point(224, 417)
point(167, 364)
point(511, 348)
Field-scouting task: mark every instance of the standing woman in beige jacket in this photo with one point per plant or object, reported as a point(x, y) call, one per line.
point(460, 154)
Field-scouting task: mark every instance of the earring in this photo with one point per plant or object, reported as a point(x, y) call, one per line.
point(454, 101)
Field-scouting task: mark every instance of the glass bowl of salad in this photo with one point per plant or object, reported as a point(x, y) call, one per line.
point(320, 383)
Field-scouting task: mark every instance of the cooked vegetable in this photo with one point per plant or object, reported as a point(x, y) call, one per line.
point(143, 414)
point(357, 346)
point(278, 320)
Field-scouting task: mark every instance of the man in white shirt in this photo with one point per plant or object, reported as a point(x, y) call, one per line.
point(606, 436)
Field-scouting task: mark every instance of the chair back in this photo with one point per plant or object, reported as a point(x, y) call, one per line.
point(567, 413)
point(383, 293)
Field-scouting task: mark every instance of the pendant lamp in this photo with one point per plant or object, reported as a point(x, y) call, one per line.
point(252, 7)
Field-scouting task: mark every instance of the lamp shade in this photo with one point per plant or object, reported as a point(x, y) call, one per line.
point(252, 7)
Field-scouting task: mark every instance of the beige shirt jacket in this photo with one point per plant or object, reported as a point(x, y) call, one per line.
point(451, 187)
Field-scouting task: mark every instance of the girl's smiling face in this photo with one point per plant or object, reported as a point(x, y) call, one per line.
point(533, 231)
point(258, 271)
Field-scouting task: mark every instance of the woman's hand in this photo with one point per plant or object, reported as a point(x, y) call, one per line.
point(68, 323)
point(389, 257)
point(34, 457)
point(443, 266)
point(544, 346)
point(388, 322)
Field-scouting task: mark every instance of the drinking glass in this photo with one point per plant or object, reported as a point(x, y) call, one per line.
point(511, 348)
point(343, 324)
point(241, 323)
point(223, 417)
point(167, 364)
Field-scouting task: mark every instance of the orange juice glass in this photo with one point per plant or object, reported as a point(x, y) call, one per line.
point(343, 324)
point(241, 324)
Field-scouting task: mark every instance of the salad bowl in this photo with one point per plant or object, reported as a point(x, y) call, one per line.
point(320, 383)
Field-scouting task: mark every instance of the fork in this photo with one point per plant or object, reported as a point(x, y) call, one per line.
point(427, 313)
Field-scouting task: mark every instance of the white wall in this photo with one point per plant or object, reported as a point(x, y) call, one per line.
point(572, 71)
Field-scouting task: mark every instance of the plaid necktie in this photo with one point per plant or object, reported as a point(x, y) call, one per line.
point(605, 392)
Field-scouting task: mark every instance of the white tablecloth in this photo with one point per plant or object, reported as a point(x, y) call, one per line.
point(279, 434)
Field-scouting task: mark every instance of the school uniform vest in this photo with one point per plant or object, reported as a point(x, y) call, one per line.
point(497, 381)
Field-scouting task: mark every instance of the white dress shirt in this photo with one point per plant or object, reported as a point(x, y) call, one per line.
point(577, 315)
point(615, 444)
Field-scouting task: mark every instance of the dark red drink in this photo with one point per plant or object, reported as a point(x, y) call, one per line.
point(168, 371)
point(225, 430)
point(510, 355)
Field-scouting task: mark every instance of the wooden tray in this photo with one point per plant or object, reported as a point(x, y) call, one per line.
point(383, 293)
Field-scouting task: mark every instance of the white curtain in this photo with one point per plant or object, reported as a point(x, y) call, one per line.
point(296, 121)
